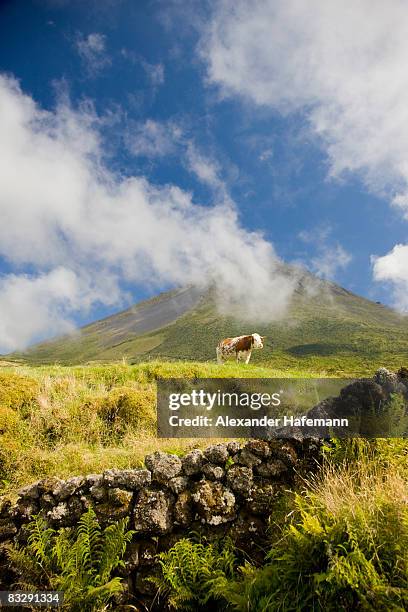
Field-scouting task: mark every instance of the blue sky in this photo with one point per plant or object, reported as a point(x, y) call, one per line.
point(206, 101)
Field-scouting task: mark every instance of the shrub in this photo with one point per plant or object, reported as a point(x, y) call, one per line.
point(17, 391)
point(127, 407)
point(79, 562)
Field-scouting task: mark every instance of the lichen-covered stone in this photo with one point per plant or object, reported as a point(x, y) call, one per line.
point(178, 484)
point(217, 453)
point(246, 457)
point(98, 492)
point(213, 472)
point(285, 451)
point(163, 466)
point(8, 529)
point(116, 506)
point(233, 447)
point(5, 507)
point(260, 499)
point(66, 488)
point(25, 509)
point(240, 479)
point(183, 509)
point(59, 513)
point(192, 462)
point(131, 480)
point(153, 512)
point(31, 491)
point(260, 448)
point(214, 503)
point(272, 469)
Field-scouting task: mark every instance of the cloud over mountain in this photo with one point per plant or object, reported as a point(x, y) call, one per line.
point(342, 65)
point(81, 232)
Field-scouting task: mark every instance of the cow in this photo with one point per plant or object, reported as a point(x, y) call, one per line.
point(241, 347)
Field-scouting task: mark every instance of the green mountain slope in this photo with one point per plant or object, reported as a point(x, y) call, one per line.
point(328, 329)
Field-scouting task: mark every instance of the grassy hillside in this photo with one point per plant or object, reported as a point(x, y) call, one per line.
point(329, 330)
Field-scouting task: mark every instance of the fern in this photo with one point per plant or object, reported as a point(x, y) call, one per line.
point(192, 572)
point(79, 562)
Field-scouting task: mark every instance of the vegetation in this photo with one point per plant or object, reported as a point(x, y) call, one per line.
point(343, 546)
point(79, 562)
point(64, 421)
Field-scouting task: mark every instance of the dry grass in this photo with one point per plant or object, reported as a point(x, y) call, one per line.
point(57, 421)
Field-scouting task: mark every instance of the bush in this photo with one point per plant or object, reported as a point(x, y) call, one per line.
point(17, 391)
point(79, 562)
point(127, 407)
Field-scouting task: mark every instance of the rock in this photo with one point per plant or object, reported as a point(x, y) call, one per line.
point(284, 451)
point(213, 472)
point(46, 501)
point(385, 377)
point(245, 457)
point(7, 529)
point(183, 509)
point(153, 512)
point(272, 469)
point(240, 479)
point(163, 466)
point(31, 491)
point(178, 484)
point(59, 514)
point(5, 507)
point(260, 499)
point(93, 479)
point(215, 504)
point(248, 533)
point(192, 462)
point(131, 480)
point(98, 492)
point(117, 506)
point(233, 447)
point(217, 453)
point(260, 448)
point(24, 510)
point(66, 488)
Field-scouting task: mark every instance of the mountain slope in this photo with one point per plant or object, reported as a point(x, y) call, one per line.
point(330, 328)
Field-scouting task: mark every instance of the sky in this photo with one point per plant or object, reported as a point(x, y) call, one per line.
point(149, 145)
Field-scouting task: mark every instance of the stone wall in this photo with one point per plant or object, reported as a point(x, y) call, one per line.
point(227, 489)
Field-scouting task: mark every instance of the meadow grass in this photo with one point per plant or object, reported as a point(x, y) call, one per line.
point(63, 421)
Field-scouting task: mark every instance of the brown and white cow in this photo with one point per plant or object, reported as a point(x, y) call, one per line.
point(239, 347)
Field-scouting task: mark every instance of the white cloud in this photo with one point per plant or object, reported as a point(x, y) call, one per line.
point(153, 138)
point(330, 256)
point(206, 170)
point(393, 268)
point(341, 64)
point(83, 232)
point(158, 139)
point(92, 51)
